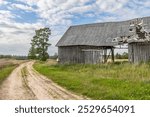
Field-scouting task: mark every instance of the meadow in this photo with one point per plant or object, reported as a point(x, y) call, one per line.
point(112, 81)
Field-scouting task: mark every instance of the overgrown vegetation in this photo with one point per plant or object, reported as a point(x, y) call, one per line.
point(107, 81)
point(5, 71)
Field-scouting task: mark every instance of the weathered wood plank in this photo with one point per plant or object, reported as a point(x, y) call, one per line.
point(139, 52)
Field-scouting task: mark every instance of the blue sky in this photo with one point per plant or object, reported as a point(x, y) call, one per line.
point(19, 18)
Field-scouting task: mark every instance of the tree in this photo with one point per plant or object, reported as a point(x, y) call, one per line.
point(118, 56)
point(39, 44)
point(32, 51)
point(125, 55)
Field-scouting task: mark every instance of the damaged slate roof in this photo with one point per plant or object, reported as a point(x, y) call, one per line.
point(98, 34)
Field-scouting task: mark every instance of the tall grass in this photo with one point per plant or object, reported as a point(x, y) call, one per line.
point(106, 81)
point(5, 71)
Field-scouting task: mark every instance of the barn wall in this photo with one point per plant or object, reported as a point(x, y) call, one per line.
point(139, 52)
point(93, 56)
point(81, 54)
point(70, 54)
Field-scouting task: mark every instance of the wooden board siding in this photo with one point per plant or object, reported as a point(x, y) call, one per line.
point(70, 54)
point(93, 56)
point(81, 54)
point(139, 52)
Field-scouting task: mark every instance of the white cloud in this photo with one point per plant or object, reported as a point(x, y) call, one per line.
point(110, 5)
point(29, 2)
point(22, 7)
point(5, 15)
point(18, 32)
point(81, 9)
point(3, 2)
point(59, 12)
point(124, 9)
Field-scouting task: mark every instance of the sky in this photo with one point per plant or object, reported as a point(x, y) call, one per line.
point(20, 18)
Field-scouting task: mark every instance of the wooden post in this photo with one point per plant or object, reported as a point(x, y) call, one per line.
point(112, 54)
point(105, 55)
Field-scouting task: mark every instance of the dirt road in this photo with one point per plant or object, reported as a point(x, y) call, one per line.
point(26, 84)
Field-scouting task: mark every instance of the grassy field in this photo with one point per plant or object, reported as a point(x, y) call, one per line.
point(6, 67)
point(108, 81)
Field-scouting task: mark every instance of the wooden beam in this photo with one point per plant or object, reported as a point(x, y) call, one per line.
point(105, 55)
point(112, 54)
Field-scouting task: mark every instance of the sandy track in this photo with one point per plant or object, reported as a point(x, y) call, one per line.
point(32, 86)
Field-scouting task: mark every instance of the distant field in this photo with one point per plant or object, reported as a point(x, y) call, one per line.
point(7, 66)
point(107, 81)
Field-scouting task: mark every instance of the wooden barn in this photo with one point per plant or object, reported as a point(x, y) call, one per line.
point(139, 43)
point(92, 43)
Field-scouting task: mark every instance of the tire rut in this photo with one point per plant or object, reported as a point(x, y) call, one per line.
point(25, 83)
point(13, 87)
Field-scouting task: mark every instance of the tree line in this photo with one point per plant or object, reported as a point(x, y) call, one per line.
point(14, 57)
point(122, 56)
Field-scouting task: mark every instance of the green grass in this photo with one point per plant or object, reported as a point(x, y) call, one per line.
point(5, 71)
point(108, 81)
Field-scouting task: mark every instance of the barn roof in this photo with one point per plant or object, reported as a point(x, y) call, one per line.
point(98, 34)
